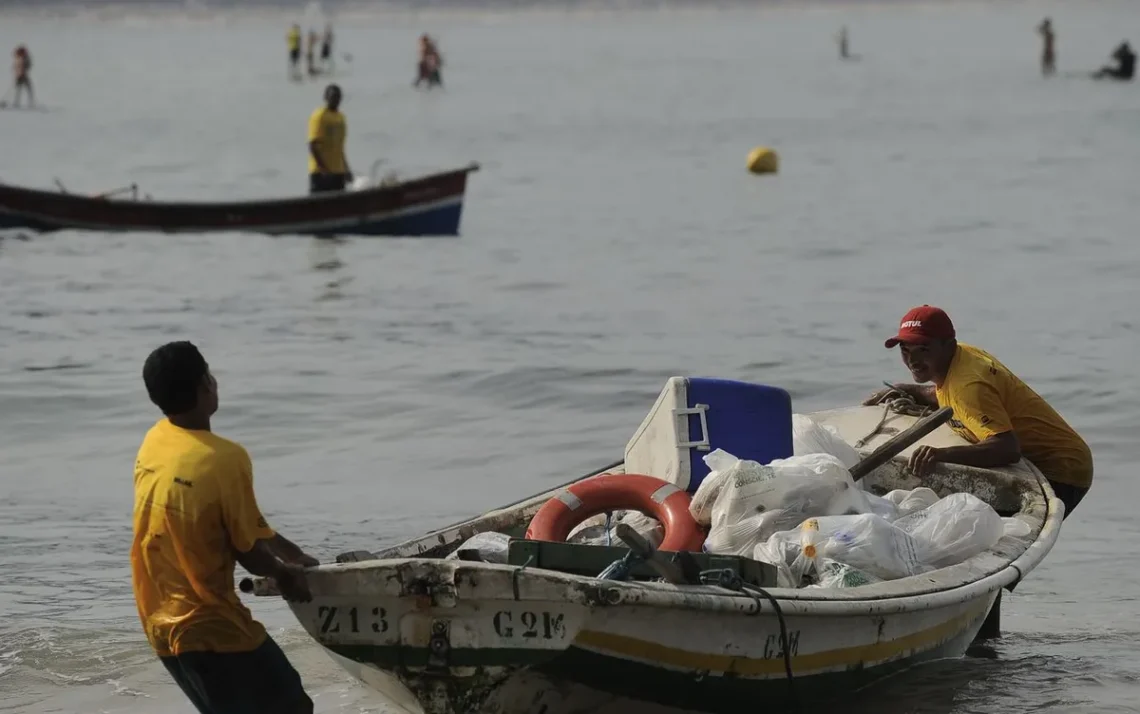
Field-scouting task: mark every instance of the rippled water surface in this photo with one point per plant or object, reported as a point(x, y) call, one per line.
point(611, 239)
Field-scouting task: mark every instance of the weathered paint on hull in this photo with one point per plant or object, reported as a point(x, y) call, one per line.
point(622, 657)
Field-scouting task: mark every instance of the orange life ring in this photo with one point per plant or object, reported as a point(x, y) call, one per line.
point(611, 492)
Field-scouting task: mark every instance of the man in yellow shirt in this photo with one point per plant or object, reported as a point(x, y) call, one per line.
point(328, 167)
point(194, 515)
point(1002, 418)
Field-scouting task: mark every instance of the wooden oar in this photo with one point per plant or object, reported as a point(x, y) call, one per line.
point(900, 441)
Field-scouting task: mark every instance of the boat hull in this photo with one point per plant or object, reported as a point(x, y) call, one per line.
point(427, 206)
point(458, 651)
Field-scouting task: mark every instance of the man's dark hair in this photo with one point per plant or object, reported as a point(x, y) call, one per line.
point(173, 373)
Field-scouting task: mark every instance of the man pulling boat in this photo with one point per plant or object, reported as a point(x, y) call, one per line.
point(1002, 418)
point(195, 514)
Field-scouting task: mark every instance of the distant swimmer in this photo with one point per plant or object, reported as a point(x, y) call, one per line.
point(1049, 48)
point(429, 65)
point(326, 48)
point(21, 67)
point(328, 166)
point(310, 53)
point(1125, 68)
point(293, 39)
point(844, 49)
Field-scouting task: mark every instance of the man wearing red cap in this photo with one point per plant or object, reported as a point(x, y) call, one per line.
point(1002, 418)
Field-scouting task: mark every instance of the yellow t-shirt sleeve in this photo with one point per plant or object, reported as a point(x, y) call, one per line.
point(240, 514)
point(316, 123)
point(979, 408)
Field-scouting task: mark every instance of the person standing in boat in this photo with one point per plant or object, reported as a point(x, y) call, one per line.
point(21, 67)
point(195, 514)
point(328, 165)
point(1048, 50)
point(1001, 417)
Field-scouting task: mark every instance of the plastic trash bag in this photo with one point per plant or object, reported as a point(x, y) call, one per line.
point(865, 541)
point(810, 437)
point(1014, 527)
point(833, 574)
point(720, 463)
point(909, 502)
point(360, 183)
point(881, 506)
point(954, 529)
point(491, 547)
point(800, 486)
point(741, 538)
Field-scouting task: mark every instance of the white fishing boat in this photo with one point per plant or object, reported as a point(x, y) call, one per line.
point(544, 634)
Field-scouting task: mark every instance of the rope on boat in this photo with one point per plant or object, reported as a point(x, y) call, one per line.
point(898, 402)
point(729, 580)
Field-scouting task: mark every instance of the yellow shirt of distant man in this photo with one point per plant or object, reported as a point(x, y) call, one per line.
point(327, 130)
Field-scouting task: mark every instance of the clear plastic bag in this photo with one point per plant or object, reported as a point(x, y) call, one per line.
point(810, 437)
point(881, 506)
point(954, 529)
point(833, 574)
point(866, 541)
point(913, 501)
point(492, 547)
point(721, 464)
point(801, 486)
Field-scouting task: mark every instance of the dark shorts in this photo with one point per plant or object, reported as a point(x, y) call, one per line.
point(294, 56)
point(257, 682)
point(321, 183)
point(1069, 495)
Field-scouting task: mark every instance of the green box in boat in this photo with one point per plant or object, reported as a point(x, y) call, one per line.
point(591, 560)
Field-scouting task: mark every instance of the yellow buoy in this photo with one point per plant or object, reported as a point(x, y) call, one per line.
point(763, 160)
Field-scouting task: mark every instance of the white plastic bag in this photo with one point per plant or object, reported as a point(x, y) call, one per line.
point(881, 506)
point(742, 537)
point(954, 529)
point(720, 463)
point(492, 547)
point(360, 183)
point(867, 542)
point(909, 502)
point(810, 437)
point(801, 486)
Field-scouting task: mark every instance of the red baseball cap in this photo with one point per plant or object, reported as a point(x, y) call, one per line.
point(922, 325)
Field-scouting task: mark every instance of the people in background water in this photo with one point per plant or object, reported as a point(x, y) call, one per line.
point(429, 64)
point(1125, 68)
point(328, 166)
point(326, 48)
point(21, 74)
point(311, 53)
point(195, 514)
point(842, 40)
point(1002, 418)
point(293, 39)
point(1048, 47)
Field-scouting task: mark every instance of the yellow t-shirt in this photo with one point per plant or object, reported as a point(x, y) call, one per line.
point(328, 129)
point(294, 40)
point(194, 508)
point(988, 400)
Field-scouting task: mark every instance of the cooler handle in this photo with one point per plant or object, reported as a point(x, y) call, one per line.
point(700, 410)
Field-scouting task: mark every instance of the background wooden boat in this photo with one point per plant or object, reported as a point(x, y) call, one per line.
point(426, 206)
point(442, 636)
